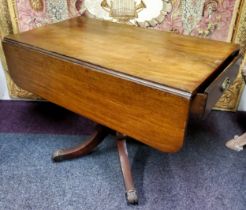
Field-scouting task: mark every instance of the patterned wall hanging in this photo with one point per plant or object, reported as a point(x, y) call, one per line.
point(23, 15)
point(37, 5)
point(138, 12)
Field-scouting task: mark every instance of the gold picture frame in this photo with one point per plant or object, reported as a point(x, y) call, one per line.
point(231, 98)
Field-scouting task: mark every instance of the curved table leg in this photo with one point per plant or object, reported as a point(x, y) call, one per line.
point(96, 138)
point(131, 193)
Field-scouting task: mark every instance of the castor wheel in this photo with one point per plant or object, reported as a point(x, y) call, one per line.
point(57, 157)
point(132, 197)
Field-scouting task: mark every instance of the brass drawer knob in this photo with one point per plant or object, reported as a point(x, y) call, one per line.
point(226, 84)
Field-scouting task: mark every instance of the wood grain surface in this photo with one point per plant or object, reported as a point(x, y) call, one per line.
point(152, 116)
point(176, 61)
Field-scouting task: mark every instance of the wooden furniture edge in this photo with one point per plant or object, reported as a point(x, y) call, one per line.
point(119, 74)
point(99, 68)
point(203, 102)
point(170, 141)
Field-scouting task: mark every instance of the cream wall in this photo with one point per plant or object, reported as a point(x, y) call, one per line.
point(242, 105)
point(3, 86)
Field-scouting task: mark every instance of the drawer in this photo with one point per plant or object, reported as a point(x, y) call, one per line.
point(204, 101)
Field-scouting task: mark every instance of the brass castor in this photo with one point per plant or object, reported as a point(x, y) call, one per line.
point(83, 149)
point(132, 197)
point(56, 157)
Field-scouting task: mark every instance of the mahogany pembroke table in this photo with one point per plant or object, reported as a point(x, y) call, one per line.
point(134, 82)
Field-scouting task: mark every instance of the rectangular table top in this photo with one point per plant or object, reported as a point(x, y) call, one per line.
point(165, 59)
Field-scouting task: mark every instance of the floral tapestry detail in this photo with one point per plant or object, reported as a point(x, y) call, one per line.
point(37, 5)
point(57, 10)
point(75, 7)
point(217, 20)
point(36, 13)
point(173, 21)
point(209, 19)
point(192, 12)
point(28, 17)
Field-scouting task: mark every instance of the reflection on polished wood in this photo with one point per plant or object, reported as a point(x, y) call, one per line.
point(160, 57)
